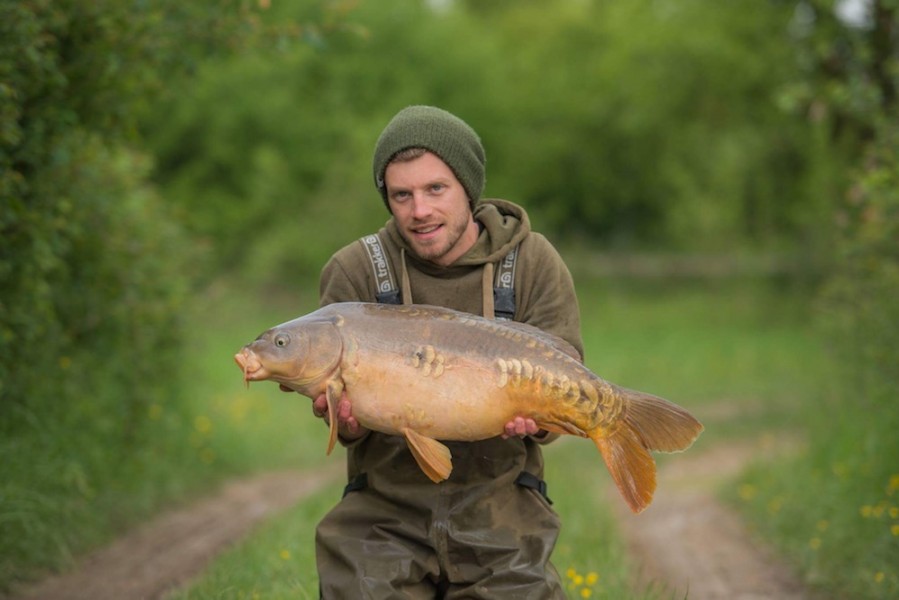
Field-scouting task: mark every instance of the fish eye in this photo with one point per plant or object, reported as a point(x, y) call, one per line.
point(282, 340)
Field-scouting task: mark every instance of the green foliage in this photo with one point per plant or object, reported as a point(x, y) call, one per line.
point(92, 294)
point(650, 138)
point(861, 297)
point(837, 506)
point(673, 137)
point(849, 543)
point(93, 273)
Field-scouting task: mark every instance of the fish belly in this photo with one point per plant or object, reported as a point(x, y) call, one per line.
point(456, 402)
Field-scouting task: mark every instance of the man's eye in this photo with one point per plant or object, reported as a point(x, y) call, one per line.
point(437, 188)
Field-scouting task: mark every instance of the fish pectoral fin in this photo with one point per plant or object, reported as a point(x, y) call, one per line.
point(433, 457)
point(333, 393)
point(563, 428)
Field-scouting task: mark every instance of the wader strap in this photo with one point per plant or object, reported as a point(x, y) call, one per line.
point(504, 287)
point(359, 482)
point(529, 480)
point(387, 292)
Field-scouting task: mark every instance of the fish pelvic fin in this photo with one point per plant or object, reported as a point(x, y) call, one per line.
point(333, 393)
point(648, 423)
point(434, 458)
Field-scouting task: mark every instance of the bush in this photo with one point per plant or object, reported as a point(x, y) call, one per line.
point(93, 273)
point(837, 505)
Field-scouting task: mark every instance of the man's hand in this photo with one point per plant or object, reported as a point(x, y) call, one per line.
point(347, 425)
point(519, 426)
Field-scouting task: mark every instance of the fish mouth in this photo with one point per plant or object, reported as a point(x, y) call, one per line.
point(251, 366)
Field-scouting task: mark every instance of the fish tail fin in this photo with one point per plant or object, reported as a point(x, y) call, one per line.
point(648, 423)
point(662, 425)
point(631, 465)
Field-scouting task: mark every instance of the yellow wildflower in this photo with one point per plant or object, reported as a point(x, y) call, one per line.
point(578, 580)
point(879, 576)
point(866, 511)
point(203, 424)
point(747, 491)
point(592, 578)
point(894, 484)
point(822, 525)
point(570, 573)
point(814, 543)
point(586, 593)
point(775, 504)
point(894, 512)
point(895, 530)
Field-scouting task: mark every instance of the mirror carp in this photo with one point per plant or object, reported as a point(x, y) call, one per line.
point(429, 373)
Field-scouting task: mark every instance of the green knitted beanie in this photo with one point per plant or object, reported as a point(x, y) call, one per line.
point(440, 132)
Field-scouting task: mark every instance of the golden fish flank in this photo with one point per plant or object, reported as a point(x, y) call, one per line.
point(428, 360)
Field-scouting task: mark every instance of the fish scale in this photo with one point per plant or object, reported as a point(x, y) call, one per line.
point(432, 374)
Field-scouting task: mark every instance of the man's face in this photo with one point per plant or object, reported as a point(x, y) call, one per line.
point(430, 208)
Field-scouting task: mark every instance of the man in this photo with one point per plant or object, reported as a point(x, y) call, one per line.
point(488, 531)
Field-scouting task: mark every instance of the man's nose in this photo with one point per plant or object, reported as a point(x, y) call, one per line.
point(421, 207)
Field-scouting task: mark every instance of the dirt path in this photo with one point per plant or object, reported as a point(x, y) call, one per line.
point(170, 550)
point(686, 541)
point(690, 544)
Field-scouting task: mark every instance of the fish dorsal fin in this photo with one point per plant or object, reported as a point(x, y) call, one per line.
point(549, 339)
point(433, 457)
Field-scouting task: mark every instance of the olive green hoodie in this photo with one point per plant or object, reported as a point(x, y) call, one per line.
point(544, 291)
point(544, 298)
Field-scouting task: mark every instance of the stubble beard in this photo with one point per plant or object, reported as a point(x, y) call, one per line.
point(433, 250)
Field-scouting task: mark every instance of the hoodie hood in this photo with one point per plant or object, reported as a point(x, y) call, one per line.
point(503, 225)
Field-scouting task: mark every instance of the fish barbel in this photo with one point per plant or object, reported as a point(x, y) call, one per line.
point(428, 373)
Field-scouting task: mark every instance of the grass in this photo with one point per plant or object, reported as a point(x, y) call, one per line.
point(236, 428)
point(699, 345)
point(834, 508)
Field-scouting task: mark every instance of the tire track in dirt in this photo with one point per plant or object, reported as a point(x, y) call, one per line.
point(168, 551)
point(691, 545)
